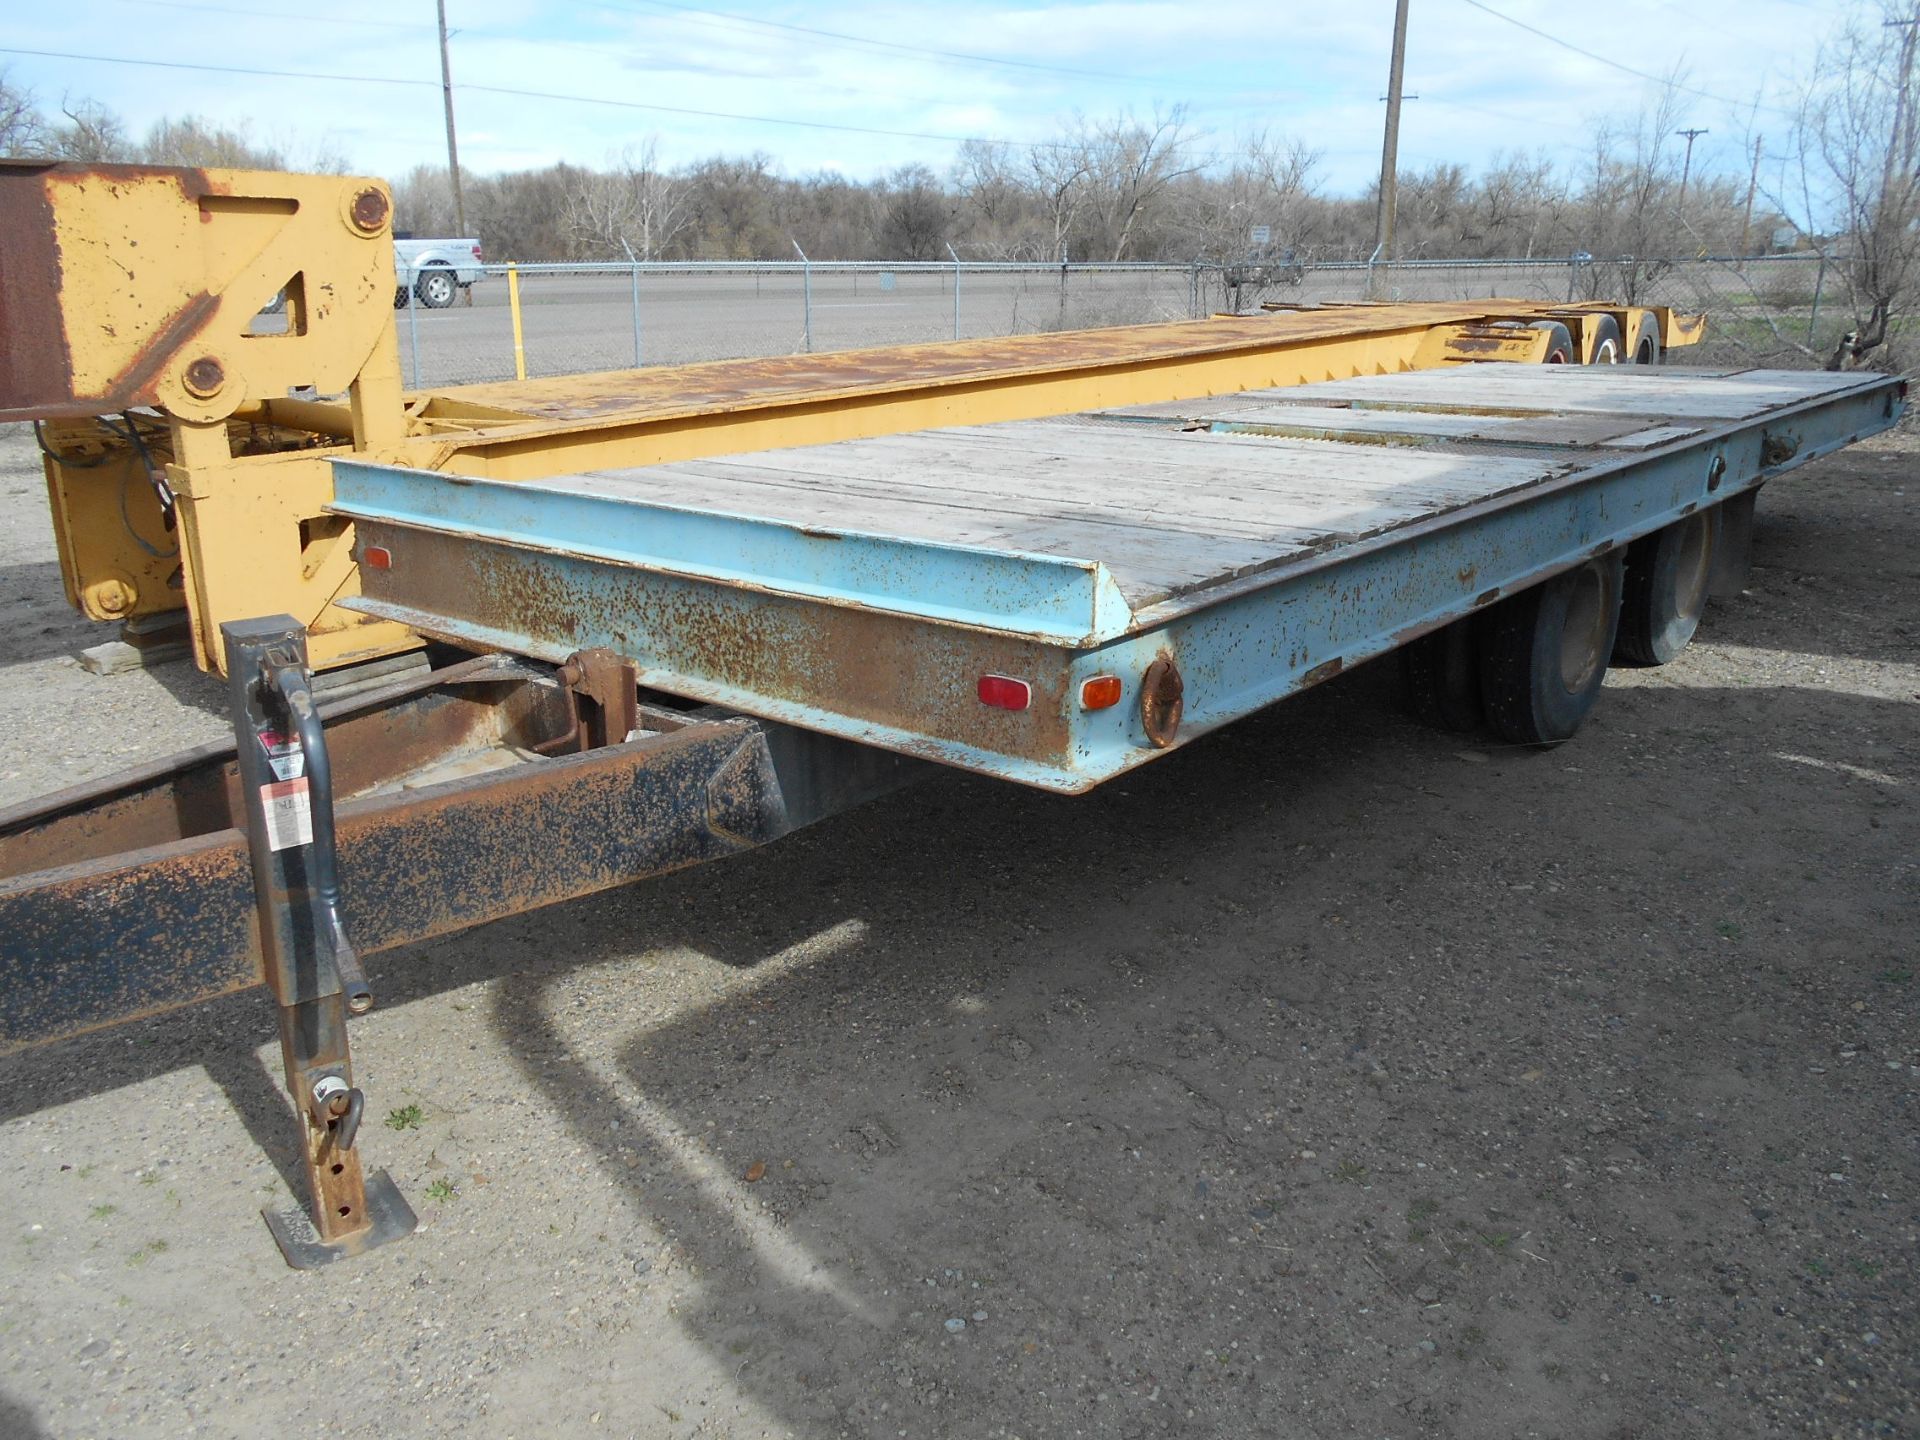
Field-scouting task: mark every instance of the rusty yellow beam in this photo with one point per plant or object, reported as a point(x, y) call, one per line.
point(637, 417)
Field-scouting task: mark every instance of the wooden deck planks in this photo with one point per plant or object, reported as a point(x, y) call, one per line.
point(1166, 512)
point(1170, 510)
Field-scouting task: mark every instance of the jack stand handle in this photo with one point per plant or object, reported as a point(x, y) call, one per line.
point(294, 687)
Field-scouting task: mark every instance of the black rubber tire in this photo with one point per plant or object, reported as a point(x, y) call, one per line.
point(436, 287)
point(1560, 347)
point(1668, 578)
point(1543, 653)
point(1441, 673)
point(1607, 349)
point(1644, 348)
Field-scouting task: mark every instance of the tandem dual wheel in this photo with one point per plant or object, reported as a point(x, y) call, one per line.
point(1530, 668)
point(1609, 346)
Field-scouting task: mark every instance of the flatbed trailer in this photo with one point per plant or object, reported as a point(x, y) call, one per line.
point(1235, 549)
point(691, 611)
point(691, 659)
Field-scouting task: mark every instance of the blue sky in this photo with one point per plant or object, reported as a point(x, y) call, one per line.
point(1014, 71)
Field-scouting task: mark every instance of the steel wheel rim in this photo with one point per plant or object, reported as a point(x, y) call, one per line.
point(1582, 633)
point(1693, 567)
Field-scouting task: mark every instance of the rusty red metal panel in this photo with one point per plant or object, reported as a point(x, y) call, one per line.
point(114, 939)
point(36, 366)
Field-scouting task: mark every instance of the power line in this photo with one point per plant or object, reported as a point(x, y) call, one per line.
point(726, 17)
point(538, 95)
point(601, 47)
point(301, 20)
point(1669, 83)
point(215, 69)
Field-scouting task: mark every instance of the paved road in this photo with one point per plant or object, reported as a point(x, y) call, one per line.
point(586, 322)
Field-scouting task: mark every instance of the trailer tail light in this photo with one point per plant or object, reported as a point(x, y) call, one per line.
point(1102, 692)
point(377, 557)
point(1005, 693)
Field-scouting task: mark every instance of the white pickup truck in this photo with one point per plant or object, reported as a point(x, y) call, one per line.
point(435, 270)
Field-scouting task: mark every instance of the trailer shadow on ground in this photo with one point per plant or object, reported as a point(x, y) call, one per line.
point(1333, 1076)
point(1202, 1089)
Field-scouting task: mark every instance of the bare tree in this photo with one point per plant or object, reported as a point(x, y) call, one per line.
point(23, 129)
point(917, 215)
point(1626, 211)
point(1059, 174)
point(1857, 158)
point(634, 208)
point(91, 133)
point(1131, 166)
point(191, 140)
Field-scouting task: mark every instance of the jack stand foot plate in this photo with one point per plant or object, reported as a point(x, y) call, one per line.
point(388, 1214)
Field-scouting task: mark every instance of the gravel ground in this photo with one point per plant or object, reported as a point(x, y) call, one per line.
point(1329, 1078)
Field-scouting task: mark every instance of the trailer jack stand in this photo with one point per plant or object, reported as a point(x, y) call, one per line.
point(309, 965)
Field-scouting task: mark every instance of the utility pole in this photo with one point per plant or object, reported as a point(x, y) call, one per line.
point(1753, 183)
point(1390, 147)
point(453, 148)
point(1687, 168)
point(1896, 141)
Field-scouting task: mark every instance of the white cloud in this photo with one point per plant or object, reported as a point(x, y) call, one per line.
point(1310, 70)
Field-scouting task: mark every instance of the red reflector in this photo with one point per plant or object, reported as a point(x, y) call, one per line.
point(1005, 693)
point(377, 557)
point(1102, 692)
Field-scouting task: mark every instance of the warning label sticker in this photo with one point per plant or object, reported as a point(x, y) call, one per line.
point(289, 762)
point(289, 814)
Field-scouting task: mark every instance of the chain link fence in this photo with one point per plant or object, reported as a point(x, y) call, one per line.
point(577, 318)
point(1777, 310)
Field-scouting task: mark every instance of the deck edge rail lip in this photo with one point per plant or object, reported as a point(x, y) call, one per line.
point(1092, 611)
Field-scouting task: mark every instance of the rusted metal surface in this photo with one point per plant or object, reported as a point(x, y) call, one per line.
point(370, 209)
point(36, 363)
point(608, 685)
point(889, 677)
point(126, 286)
point(376, 738)
point(718, 391)
point(1162, 699)
point(137, 933)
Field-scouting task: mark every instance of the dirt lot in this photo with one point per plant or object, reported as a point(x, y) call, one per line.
point(1330, 1078)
